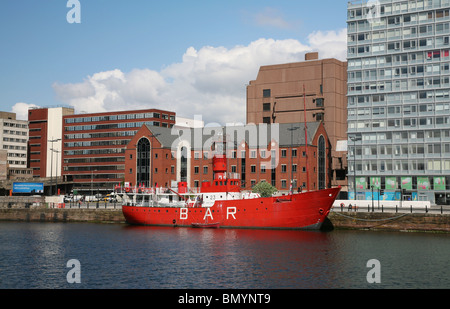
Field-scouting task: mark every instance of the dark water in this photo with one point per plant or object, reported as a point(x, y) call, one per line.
point(34, 255)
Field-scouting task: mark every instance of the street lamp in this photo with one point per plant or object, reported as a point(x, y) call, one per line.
point(57, 151)
point(51, 165)
point(92, 185)
point(372, 187)
point(354, 139)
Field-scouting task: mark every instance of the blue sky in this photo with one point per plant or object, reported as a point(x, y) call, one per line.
point(44, 60)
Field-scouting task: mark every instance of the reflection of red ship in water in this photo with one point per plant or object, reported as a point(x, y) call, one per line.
point(222, 204)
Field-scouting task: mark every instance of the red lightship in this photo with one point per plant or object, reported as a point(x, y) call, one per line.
point(223, 204)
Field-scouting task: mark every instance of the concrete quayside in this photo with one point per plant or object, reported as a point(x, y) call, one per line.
point(359, 220)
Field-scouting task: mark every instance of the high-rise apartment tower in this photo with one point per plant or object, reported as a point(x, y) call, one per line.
point(398, 100)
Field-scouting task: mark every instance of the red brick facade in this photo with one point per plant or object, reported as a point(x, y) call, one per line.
point(37, 143)
point(253, 165)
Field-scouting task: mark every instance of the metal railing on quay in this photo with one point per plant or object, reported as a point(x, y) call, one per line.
point(87, 205)
point(437, 209)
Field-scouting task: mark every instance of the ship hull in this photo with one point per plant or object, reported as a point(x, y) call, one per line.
point(299, 211)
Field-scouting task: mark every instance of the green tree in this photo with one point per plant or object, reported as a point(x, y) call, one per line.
point(264, 188)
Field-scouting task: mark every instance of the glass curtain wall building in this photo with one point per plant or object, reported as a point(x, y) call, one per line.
point(398, 100)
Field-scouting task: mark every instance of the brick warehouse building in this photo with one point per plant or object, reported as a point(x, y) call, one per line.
point(161, 156)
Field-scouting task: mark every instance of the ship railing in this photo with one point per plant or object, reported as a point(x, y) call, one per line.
point(157, 204)
point(155, 190)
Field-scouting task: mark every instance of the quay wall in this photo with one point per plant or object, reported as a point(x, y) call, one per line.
point(405, 222)
point(41, 214)
point(419, 222)
point(20, 201)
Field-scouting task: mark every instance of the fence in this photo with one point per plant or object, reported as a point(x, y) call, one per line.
point(87, 205)
point(389, 206)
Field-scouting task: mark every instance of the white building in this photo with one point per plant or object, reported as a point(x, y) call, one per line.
point(14, 140)
point(398, 100)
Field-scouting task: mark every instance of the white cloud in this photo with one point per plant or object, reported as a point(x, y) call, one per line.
point(331, 44)
point(21, 110)
point(210, 81)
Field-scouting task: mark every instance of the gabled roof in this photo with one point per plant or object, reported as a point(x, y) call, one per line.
point(298, 135)
point(254, 135)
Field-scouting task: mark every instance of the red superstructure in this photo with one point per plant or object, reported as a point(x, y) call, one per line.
point(222, 204)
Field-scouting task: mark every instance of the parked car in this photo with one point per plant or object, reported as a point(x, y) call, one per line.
point(72, 198)
point(111, 198)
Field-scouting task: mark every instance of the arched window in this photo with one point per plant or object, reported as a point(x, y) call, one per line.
point(184, 160)
point(322, 163)
point(143, 163)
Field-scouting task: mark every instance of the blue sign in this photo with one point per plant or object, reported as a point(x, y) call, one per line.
point(28, 187)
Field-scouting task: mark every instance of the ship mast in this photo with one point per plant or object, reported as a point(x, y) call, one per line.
point(306, 138)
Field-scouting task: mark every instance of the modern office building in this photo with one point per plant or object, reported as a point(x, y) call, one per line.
point(13, 140)
point(85, 152)
point(398, 100)
point(283, 93)
point(93, 146)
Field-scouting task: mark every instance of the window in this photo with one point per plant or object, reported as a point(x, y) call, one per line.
point(266, 107)
point(184, 164)
point(263, 168)
point(319, 102)
point(394, 46)
point(442, 13)
point(266, 120)
point(143, 162)
point(394, 20)
point(363, 36)
point(266, 93)
point(363, 49)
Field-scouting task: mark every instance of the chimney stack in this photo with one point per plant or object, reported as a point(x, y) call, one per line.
point(312, 56)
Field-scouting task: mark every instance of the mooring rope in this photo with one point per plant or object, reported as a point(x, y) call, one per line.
point(371, 220)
